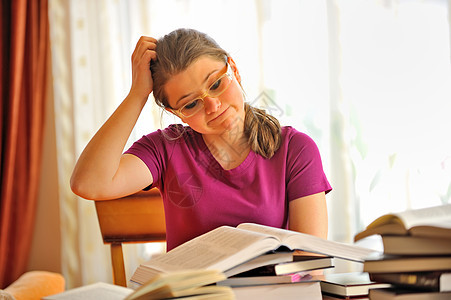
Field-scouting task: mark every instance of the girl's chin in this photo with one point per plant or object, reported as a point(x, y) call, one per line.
point(229, 124)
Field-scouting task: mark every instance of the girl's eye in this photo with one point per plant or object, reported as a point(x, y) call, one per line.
point(216, 84)
point(191, 105)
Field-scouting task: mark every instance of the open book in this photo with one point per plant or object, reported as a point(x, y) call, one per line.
point(192, 285)
point(227, 247)
point(430, 222)
point(189, 285)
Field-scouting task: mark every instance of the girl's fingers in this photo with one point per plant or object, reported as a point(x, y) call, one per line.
point(144, 44)
point(147, 38)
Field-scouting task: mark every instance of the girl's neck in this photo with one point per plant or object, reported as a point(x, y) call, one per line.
point(230, 148)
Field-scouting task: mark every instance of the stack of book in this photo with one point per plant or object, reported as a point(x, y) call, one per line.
point(295, 268)
point(417, 254)
point(256, 261)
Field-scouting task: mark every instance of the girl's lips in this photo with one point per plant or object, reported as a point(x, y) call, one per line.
point(216, 118)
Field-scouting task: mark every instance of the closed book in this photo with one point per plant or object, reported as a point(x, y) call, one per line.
point(428, 281)
point(399, 294)
point(415, 245)
point(296, 291)
point(336, 297)
point(349, 284)
point(399, 264)
point(304, 264)
point(301, 264)
point(260, 280)
point(270, 258)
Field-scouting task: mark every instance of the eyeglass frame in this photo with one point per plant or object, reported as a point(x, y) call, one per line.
point(228, 73)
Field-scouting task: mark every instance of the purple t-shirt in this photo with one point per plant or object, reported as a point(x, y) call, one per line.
point(199, 195)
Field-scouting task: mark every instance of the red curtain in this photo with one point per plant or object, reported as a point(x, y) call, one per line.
point(24, 45)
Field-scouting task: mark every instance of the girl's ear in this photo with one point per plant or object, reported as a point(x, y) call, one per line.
point(234, 68)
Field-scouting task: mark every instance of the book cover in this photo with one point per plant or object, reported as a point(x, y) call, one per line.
point(427, 281)
point(327, 296)
point(397, 264)
point(398, 294)
point(298, 291)
point(270, 258)
point(415, 245)
point(349, 284)
point(301, 264)
point(260, 280)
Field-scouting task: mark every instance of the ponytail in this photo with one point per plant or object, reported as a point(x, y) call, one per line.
point(263, 131)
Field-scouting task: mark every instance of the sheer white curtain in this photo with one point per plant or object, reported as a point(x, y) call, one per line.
point(367, 80)
point(91, 47)
point(370, 82)
point(394, 85)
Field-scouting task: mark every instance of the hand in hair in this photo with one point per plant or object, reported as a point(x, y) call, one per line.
point(142, 83)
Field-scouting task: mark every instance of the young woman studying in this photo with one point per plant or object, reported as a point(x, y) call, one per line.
point(232, 163)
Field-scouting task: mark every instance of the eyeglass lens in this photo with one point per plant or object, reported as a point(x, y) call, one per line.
point(215, 90)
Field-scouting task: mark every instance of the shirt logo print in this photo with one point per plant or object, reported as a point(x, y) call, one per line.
point(185, 190)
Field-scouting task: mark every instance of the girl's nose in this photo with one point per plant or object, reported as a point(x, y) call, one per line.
point(211, 105)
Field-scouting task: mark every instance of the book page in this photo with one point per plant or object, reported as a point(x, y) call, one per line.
point(433, 216)
point(95, 291)
point(281, 234)
point(221, 248)
point(169, 285)
point(306, 242)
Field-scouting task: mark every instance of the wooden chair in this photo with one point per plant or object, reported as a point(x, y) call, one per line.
point(138, 218)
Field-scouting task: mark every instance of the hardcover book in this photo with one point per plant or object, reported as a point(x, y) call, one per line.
point(299, 264)
point(398, 264)
point(427, 222)
point(227, 247)
point(397, 294)
point(349, 284)
point(415, 245)
point(434, 281)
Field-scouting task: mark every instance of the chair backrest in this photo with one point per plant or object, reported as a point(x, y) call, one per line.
point(138, 218)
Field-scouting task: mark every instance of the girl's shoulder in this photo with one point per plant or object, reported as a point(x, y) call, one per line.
point(296, 141)
point(175, 132)
point(289, 133)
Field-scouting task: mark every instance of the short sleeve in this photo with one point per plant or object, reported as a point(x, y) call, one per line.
point(305, 174)
point(152, 150)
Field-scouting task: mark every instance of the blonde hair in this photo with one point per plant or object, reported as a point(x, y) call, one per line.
point(176, 51)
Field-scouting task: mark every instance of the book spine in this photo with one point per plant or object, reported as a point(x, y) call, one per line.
point(425, 281)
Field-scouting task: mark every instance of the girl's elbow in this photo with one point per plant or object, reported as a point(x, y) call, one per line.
point(82, 188)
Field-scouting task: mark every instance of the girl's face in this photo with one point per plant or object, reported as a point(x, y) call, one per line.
point(218, 114)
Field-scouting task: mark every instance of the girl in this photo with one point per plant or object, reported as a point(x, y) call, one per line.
point(232, 164)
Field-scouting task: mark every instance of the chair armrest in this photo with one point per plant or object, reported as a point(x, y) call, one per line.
point(35, 285)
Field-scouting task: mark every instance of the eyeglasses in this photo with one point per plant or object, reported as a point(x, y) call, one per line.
point(215, 90)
